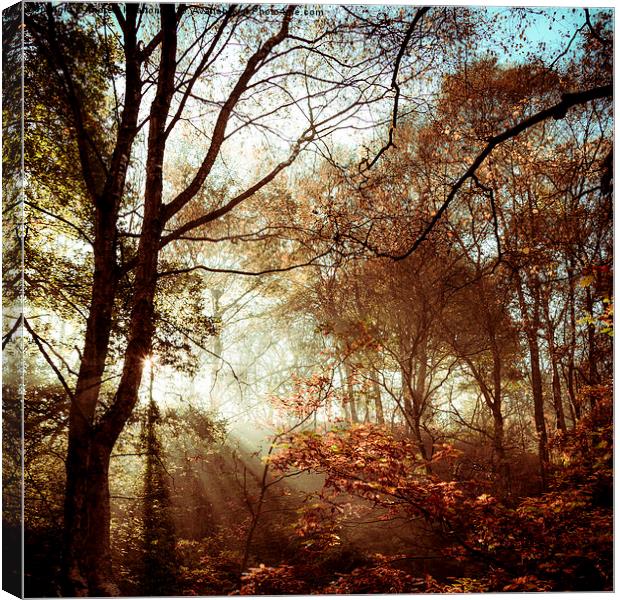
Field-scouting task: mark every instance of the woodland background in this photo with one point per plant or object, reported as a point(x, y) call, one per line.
point(317, 299)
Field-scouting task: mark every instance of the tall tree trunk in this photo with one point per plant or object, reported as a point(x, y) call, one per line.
point(87, 501)
point(556, 386)
point(87, 515)
point(86, 465)
point(417, 432)
point(419, 401)
point(407, 408)
point(503, 468)
point(351, 392)
point(97, 560)
point(570, 384)
point(593, 375)
point(87, 504)
point(532, 326)
point(537, 391)
point(413, 416)
point(379, 415)
point(539, 410)
point(158, 573)
point(366, 410)
point(560, 420)
point(496, 405)
point(493, 400)
point(570, 370)
point(345, 397)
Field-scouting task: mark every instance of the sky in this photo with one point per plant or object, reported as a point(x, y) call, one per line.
point(550, 28)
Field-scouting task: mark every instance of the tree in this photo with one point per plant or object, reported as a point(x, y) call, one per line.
point(514, 244)
point(159, 567)
point(508, 543)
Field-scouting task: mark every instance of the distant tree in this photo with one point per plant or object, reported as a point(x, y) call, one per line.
point(159, 565)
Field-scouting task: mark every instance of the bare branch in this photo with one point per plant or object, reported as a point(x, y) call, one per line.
point(200, 69)
point(219, 130)
point(9, 336)
point(219, 212)
point(310, 263)
point(396, 87)
point(50, 362)
point(557, 111)
point(61, 219)
point(593, 31)
point(491, 194)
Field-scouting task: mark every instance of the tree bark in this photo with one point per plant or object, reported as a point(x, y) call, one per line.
point(593, 374)
point(345, 403)
point(87, 517)
point(493, 400)
point(496, 404)
point(560, 420)
point(570, 370)
point(84, 458)
point(539, 411)
point(413, 417)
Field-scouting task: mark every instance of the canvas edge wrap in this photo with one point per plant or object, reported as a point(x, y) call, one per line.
point(13, 239)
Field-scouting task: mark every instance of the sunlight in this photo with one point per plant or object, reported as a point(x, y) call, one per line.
point(150, 362)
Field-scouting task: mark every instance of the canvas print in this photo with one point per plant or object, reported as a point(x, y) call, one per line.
point(306, 299)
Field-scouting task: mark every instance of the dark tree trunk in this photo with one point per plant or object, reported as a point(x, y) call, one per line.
point(345, 397)
point(570, 384)
point(593, 374)
point(496, 407)
point(98, 564)
point(86, 464)
point(560, 420)
point(419, 401)
point(419, 439)
point(556, 386)
point(503, 467)
point(86, 558)
point(413, 417)
point(493, 400)
point(532, 327)
point(379, 415)
point(351, 392)
point(539, 408)
point(158, 575)
point(570, 370)
point(87, 517)
point(87, 508)
point(407, 408)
